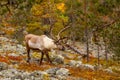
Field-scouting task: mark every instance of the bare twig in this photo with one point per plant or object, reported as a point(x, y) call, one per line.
point(105, 25)
point(6, 5)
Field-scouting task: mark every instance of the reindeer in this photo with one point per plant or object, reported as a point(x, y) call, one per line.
point(42, 43)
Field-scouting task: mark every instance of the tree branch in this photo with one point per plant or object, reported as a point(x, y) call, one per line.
point(105, 25)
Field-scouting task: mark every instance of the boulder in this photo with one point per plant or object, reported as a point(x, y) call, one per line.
point(58, 59)
point(62, 72)
point(86, 66)
point(3, 39)
point(11, 45)
point(14, 55)
point(52, 71)
point(74, 63)
point(53, 78)
point(79, 64)
point(58, 71)
point(17, 77)
point(108, 71)
point(9, 73)
point(3, 66)
point(39, 75)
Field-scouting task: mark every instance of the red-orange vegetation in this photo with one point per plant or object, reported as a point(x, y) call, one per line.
point(91, 75)
point(7, 59)
point(74, 71)
point(35, 66)
point(16, 58)
point(4, 59)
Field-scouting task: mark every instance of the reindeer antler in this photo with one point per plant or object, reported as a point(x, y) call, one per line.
point(66, 26)
point(52, 22)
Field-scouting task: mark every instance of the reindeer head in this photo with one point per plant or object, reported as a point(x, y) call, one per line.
point(59, 46)
point(58, 40)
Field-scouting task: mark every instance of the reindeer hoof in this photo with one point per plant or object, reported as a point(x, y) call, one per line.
point(40, 64)
point(28, 61)
point(50, 62)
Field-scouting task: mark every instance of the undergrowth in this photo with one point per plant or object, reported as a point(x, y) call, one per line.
point(75, 72)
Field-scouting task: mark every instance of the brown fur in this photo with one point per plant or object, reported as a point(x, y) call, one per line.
point(33, 39)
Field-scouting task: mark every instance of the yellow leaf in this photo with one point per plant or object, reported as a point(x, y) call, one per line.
point(61, 7)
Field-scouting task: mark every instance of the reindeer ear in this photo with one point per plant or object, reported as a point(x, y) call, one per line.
point(55, 42)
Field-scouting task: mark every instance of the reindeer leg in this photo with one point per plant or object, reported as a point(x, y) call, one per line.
point(41, 58)
point(48, 57)
point(28, 55)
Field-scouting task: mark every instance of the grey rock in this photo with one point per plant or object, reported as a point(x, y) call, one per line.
point(13, 54)
point(4, 39)
point(53, 78)
point(17, 76)
point(74, 63)
point(60, 77)
point(86, 66)
point(6, 79)
point(79, 64)
point(58, 72)
point(11, 45)
point(62, 72)
point(13, 74)
point(108, 71)
point(38, 79)
point(3, 66)
point(38, 75)
point(52, 71)
point(58, 59)
point(7, 73)
point(26, 76)
point(27, 79)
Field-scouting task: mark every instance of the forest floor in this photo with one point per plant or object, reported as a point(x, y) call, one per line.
point(74, 71)
point(82, 70)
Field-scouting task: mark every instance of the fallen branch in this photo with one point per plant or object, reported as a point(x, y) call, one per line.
point(74, 49)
